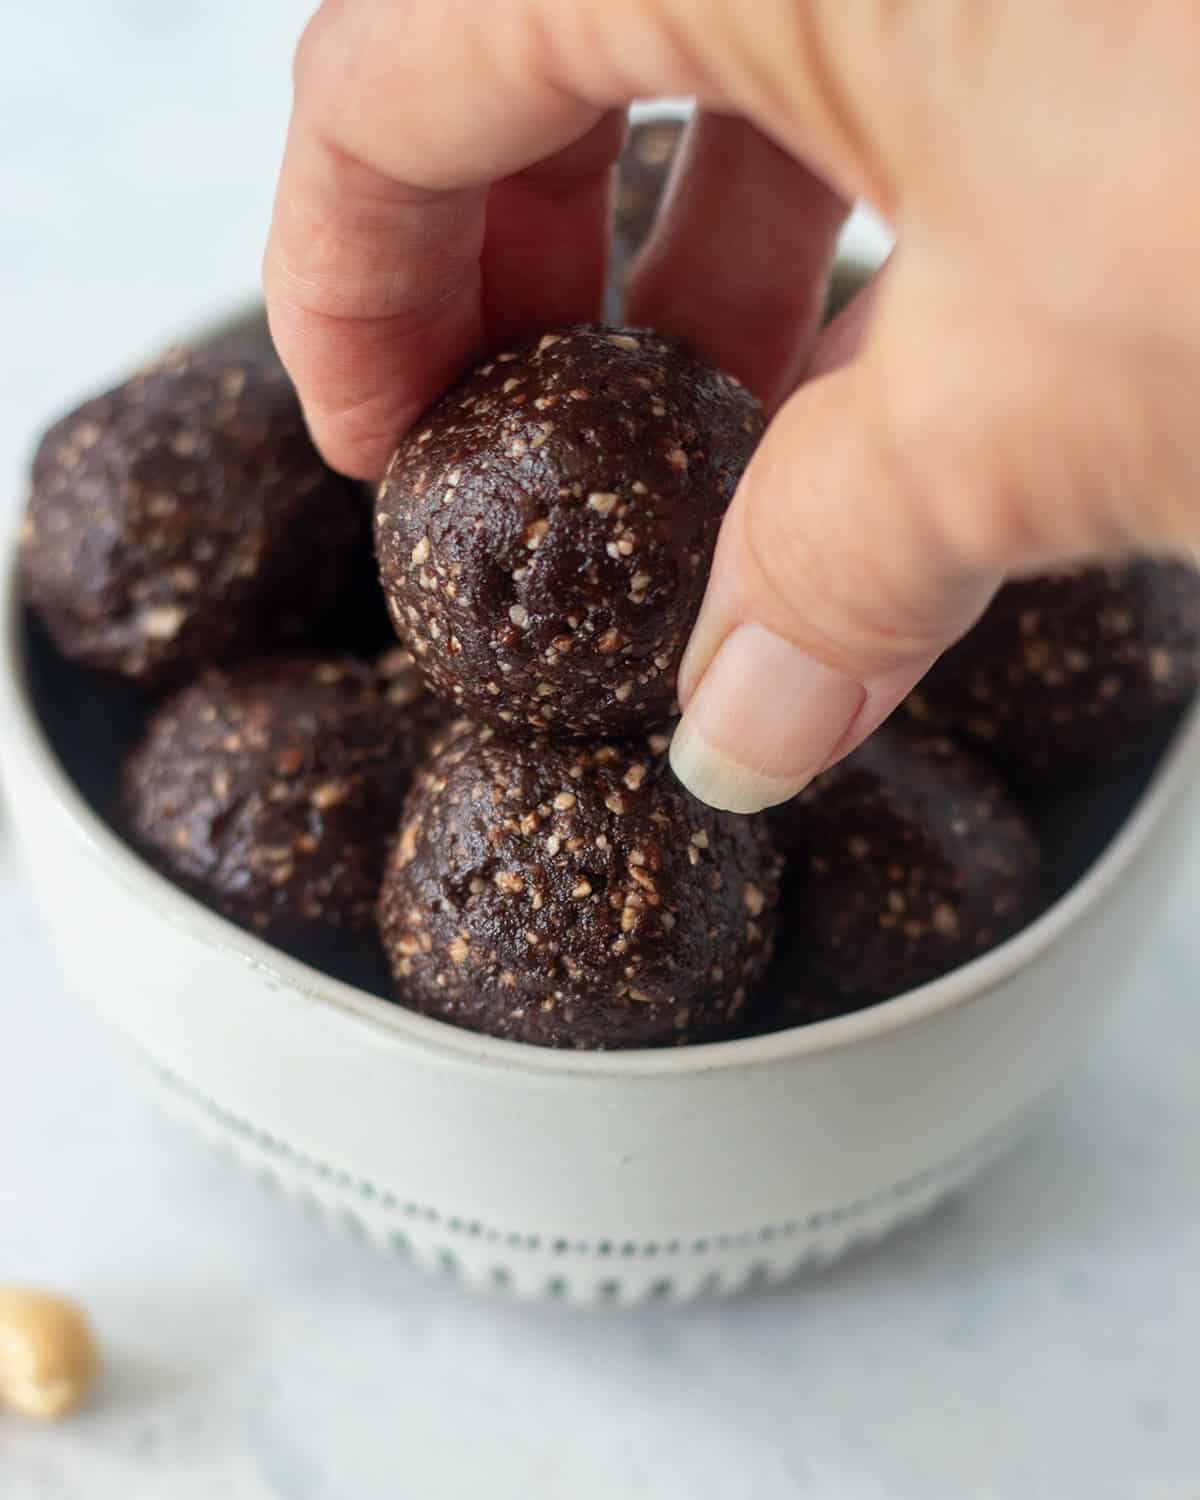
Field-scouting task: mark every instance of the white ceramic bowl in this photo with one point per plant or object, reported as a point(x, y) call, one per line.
point(591, 1177)
point(583, 1176)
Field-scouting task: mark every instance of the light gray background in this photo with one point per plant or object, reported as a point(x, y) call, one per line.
point(1036, 1341)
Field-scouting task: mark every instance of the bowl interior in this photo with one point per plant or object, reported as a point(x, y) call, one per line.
point(85, 724)
point(88, 724)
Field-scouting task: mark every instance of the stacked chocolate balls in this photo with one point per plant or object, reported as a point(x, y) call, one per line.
point(544, 537)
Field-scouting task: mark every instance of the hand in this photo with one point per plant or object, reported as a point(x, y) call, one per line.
point(1017, 391)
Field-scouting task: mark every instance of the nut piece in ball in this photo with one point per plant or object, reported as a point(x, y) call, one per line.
point(185, 517)
point(901, 863)
point(1070, 672)
point(270, 789)
point(544, 534)
point(574, 896)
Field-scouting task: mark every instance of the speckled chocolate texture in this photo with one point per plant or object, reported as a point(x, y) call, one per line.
point(901, 863)
point(545, 534)
point(185, 517)
point(270, 789)
point(574, 896)
point(1071, 673)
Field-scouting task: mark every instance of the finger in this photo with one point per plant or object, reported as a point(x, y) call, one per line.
point(373, 266)
point(373, 298)
point(738, 264)
point(830, 596)
point(842, 337)
point(835, 584)
point(886, 503)
point(404, 117)
point(546, 249)
point(836, 346)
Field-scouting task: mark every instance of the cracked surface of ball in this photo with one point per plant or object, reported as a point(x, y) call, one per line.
point(1071, 672)
point(544, 535)
point(901, 863)
point(270, 789)
point(574, 895)
point(185, 517)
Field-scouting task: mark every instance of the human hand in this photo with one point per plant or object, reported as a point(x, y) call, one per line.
point(1018, 391)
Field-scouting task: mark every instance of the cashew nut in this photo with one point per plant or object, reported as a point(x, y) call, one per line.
point(47, 1354)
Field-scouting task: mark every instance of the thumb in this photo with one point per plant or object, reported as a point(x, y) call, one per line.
point(834, 587)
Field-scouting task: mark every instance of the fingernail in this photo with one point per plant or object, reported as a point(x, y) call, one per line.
point(761, 723)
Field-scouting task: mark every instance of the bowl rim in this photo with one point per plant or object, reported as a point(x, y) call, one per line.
point(23, 738)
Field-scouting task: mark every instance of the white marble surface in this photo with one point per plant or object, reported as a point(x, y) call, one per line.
point(1039, 1340)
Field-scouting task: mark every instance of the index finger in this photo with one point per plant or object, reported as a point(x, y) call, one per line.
point(373, 266)
point(390, 263)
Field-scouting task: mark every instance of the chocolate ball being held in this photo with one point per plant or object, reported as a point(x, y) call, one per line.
point(544, 535)
point(185, 517)
point(270, 789)
point(1071, 672)
point(901, 863)
point(571, 895)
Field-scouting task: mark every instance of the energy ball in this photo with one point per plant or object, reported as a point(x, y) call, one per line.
point(900, 863)
point(1070, 672)
point(574, 896)
point(270, 789)
point(184, 518)
point(544, 535)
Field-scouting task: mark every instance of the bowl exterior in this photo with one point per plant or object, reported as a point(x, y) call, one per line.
point(568, 1181)
point(585, 1184)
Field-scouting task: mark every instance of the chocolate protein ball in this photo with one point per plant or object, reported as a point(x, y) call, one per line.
point(185, 517)
point(574, 896)
point(901, 863)
point(544, 535)
point(270, 789)
point(1070, 672)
